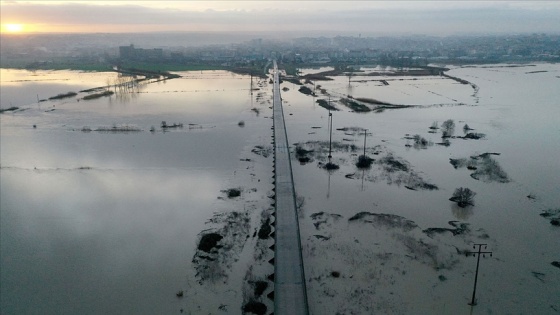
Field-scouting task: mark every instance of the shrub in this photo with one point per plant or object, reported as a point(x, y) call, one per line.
point(448, 128)
point(233, 192)
point(255, 308)
point(265, 230)
point(331, 166)
point(364, 161)
point(463, 197)
point(209, 241)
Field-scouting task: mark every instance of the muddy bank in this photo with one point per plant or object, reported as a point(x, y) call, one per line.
point(98, 95)
point(10, 109)
point(219, 248)
point(354, 106)
point(484, 167)
point(553, 215)
point(63, 95)
point(230, 269)
point(364, 105)
point(326, 105)
point(371, 258)
point(325, 75)
point(385, 165)
point(305, 90)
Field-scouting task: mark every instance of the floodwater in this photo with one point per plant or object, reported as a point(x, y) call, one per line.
point(108, 221)
point(517, 109)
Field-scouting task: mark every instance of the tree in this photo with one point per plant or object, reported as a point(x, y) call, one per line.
point(364, 161)
point(463, 197)
point(350, 73)
point(448, 128)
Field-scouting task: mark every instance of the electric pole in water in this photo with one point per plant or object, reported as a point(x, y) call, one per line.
point(479, 252)
point(330, 135)
point(365, 135)
point(330, 130)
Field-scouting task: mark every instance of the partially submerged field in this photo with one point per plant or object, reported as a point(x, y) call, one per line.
point(159, 198)
point(151, 200)
point(388, 238)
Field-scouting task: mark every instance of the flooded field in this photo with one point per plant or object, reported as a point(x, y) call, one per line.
point(106, 208)
point(386, 239)
point(102, 207)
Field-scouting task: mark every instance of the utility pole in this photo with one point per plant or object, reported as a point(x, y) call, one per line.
point(365, 135)
point(330, 132)
point(479, 252)
point(314, 89)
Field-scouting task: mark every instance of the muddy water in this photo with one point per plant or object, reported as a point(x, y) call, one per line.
point(517, 109)
point(108, 221)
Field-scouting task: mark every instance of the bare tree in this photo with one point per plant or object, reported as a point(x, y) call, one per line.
point(350, 74)
point(463, 197)
point(447, 128)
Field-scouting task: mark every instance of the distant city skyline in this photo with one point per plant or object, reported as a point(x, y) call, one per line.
point(368, 18)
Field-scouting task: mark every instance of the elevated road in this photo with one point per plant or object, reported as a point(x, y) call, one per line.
point(290, 296)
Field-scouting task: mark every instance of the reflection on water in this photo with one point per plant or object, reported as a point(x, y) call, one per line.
point(97, 222)
point(107, 222)
point(22, 87)
point(462, 213)
point(92, 241)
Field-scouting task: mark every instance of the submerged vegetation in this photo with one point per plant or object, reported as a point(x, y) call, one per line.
point(63, 95)
point(372, 101)
point(165, 126)
point(305, 90)
point(484, 167)
point(355, 106)
point(303, 155)
point(98, 95)
point(326, 105)
point(233, 192)
point(220, 245)
point(331, 166)
point(9, 109)
point(463, 197)
point(448, 128)
point(114, 129)
point(553, 215)
point(364, 161)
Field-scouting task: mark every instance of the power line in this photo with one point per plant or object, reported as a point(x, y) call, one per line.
point(479, 252)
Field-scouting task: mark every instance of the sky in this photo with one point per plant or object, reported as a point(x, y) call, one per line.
point(438, 18)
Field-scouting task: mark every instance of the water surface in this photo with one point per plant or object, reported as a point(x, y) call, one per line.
point(108, 222)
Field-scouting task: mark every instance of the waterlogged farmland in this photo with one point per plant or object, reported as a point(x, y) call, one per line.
point(158, 198)
point(391, 237)
point(103, 205)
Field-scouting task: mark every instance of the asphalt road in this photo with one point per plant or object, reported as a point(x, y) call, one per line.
point(290, 296)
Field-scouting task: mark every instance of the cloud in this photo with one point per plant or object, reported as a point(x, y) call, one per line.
point(367, 17)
